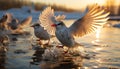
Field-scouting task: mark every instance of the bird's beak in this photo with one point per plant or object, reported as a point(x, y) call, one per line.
point(53, 25)
point(32, 26)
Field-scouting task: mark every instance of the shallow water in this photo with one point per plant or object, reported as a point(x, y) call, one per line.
point(104, 46)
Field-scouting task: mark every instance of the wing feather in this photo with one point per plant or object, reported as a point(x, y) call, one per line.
point(47, 18)
point(60, 17)
point(25, 22)
point(9, 17)
point(94, 19)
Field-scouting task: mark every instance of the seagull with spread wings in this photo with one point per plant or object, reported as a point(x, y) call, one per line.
point(95, 18)
point(17, 26)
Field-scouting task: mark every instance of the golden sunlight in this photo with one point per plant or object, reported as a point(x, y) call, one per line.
point(98, 48)
point(98, 33)
point(78, 4)
point(100, 2)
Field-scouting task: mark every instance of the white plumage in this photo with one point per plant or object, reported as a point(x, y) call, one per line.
point(40, 32)
point(95, 18)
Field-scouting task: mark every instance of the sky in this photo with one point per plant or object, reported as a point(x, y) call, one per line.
point(76, 4)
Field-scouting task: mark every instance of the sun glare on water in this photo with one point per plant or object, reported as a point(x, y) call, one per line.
point(97, 35)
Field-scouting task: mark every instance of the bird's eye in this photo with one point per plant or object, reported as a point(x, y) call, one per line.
point(37, 24)
point(59, 24)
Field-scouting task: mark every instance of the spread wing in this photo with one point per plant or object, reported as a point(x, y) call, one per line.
point(47, 18)
point(3, 19)
point(95, 18)
point(9, 17)
point(60, 17)
point(6, 18)
point(26, 22)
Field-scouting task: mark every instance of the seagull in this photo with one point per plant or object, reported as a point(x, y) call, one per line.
point(3, 37)
point(40, 33)
point(14, 24)
point(4, 31)
point(94, 19)
point(17, 26)
point(9, 17)
point(6, 18)
point(2, 22)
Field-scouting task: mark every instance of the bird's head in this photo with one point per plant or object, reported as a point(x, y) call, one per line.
point(5, 16)
point(58, 24)
point(14, 21)
point(35, 25)
point(3, 19)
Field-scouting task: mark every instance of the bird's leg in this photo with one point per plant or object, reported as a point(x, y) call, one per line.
point(47, 42)
point(1, 41)
point(66, 50)
point(40, 42)
point(60, 46)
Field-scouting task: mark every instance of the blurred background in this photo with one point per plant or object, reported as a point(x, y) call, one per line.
point(62, 5)
point(103, 45)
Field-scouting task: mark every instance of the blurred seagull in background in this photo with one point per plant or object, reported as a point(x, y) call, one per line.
point(95, 18)
point(4, 39)
point(9, 17)
point(14, 24)
point(2, 22)
point(17, 26)
point(40, 33)
point(5, 20)
point(4, 32)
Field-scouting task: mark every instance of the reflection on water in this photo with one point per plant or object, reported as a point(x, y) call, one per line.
point(55, 58)
point(2, 57)
point(97, 36)
point(103, 49)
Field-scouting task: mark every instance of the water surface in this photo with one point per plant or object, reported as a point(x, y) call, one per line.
point(104, 46)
